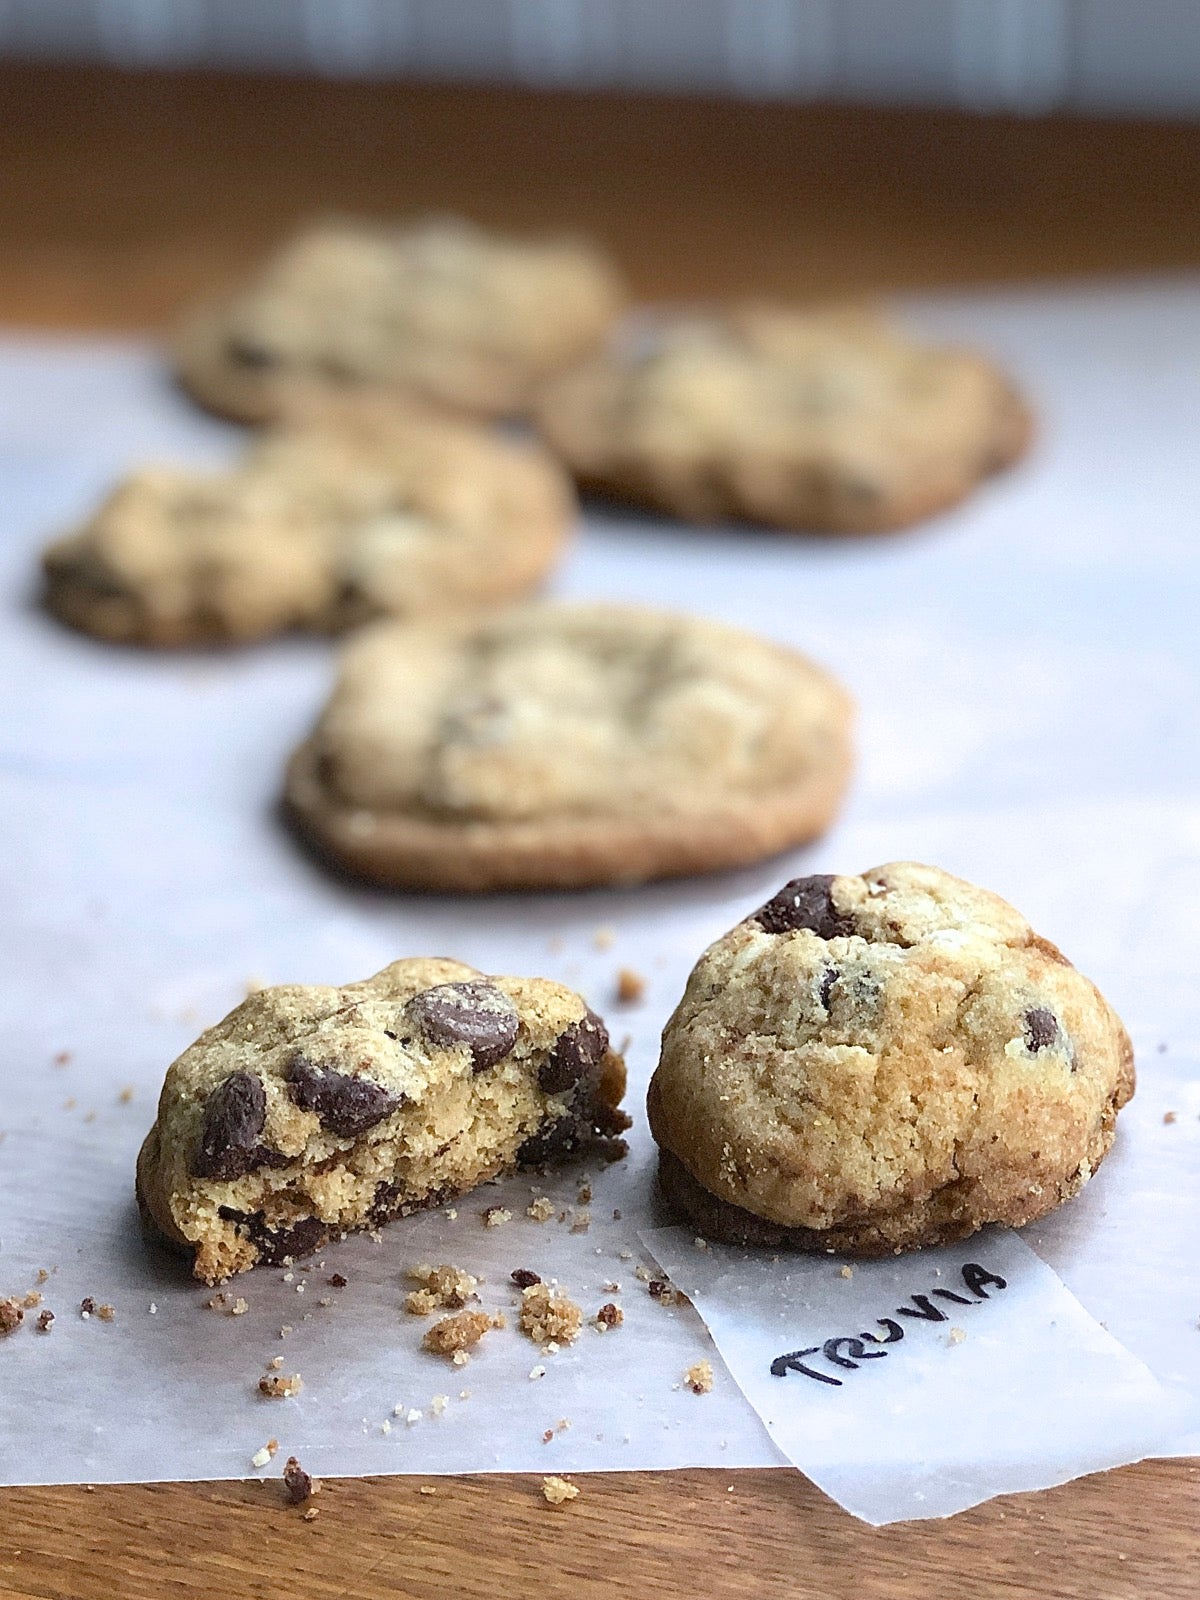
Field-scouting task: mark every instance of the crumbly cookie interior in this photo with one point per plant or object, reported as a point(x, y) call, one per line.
point(310, 1112)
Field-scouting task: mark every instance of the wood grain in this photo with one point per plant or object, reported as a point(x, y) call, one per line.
point(121, 197)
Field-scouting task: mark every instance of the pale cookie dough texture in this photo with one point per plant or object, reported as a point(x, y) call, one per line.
point(565, 745)
point(312, 1111)
point(354, 512)
point(436, 309)
point(829, 421)
point(871, 1064)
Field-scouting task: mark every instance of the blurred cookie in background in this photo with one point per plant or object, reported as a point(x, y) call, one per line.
point(560, 746)
point(829, 420)
point(437, 309)
point(343, 514)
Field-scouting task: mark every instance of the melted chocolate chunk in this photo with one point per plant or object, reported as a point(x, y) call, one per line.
point(1041, 1029)
point(234, 1115)
point(474, 1013)
point(577, 1052)
point(276, 1244)
point(805, 903)
point(346, 1106)
point(553, 1142)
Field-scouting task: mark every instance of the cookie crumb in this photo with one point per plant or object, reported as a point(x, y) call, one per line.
point(281, 1388)
point(541, 1209)
point(445, 1287)
point(426, 1488)
point(311, 1514)
point(43, 1275)
point(461, 1357)
point(126, 1094)
point(45, 1321)
point(699, 1377)
point(845, 1272)
point(699, 1244)
point(298, 1483)
point(262, 1455)
point(1169, 1117)
point(336, 1281)
point(458, 1332)
point(548, 1318)
point(523, 1278)
point(659, 1289)
point(63, 1058)
point(275, 1363)
point(604, 938)
point(956, 1335)
point(439, 1403)
point(31, 1300)
point(557, 1491)
point(12, 1315)
point(496, 1216)
point(610, 1316)
point(631, 987)
point(239, 1308)
point(86, 1307)
point(536, 1372)
point(581, 1221)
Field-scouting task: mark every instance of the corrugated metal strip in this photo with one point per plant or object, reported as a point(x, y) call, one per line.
point(1023, 55)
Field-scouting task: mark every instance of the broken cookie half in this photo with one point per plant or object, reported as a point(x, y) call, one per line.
point(313, 1111)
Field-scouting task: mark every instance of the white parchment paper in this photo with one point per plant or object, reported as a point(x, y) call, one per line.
point(1027, 671)
point(913, 1388)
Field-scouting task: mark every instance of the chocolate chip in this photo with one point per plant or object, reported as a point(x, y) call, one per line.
point(277, 1244)
point(805, 903)
point(337, 1281)
point(825, 987)
point(577, 1051)
point(473, 1013)
point(297, 1482)
point(523, 1278)
point(552, 1142)
point(234, 1115)
point(345, 1105)
point(251, 356)
point(1041, 1029)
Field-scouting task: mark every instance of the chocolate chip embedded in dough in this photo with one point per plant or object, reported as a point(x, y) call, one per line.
point(345, 1105)
point(574, 1055)
point(805, 903)
point(473, 1013)
point(1041, 1029)
point(234, 1115)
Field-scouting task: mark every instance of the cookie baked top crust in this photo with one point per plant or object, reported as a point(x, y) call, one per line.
point(889, 1060)
point(828, 420)
point(569, 743)
point(437, 308)
point(313, 1110)
point(347, 513)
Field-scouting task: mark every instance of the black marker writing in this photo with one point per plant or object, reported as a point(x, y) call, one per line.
point(847, 1350)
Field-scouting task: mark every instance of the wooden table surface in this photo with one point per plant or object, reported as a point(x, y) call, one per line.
point(122, 196)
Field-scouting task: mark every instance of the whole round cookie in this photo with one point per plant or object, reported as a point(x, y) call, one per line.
point(311, 1111)
point(345, 514)
point(436, 309)
point(566, 745)
point(872, 1064)
point(829, 421)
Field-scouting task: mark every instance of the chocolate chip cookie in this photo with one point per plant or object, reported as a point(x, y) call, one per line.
point(565, 745)
point(312, 1111)
point(436, 309)
point(831, 421)
point(352, 512)
point(871, 1064)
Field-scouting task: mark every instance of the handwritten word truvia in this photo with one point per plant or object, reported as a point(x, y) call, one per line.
point(847, 1350)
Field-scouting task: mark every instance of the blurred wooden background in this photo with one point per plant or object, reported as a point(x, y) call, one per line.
point(123, 195)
